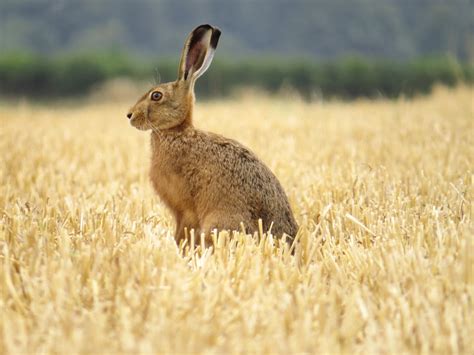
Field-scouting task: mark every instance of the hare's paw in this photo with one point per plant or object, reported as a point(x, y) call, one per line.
point(224, 220)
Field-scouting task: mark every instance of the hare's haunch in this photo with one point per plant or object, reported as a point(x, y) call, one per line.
point(206, 180)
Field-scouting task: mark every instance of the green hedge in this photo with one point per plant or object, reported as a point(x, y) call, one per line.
point(42, 77)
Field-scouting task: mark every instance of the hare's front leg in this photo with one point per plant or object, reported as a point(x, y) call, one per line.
point(184, 220)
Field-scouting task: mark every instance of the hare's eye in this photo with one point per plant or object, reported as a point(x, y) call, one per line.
point(156, 96)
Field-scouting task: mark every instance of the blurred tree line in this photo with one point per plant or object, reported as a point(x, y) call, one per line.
point(397, 29)
point(348, 48)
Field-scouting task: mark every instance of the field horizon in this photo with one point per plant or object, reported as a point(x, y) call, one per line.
point(382, 191)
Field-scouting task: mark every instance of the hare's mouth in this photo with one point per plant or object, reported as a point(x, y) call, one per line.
point(139, 123)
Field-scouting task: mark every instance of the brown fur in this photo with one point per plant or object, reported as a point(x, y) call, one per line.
point(206, 180)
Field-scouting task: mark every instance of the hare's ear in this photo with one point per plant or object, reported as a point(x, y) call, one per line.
point(198, 52)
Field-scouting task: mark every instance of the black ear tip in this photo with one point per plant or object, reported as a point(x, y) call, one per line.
point(216, 33)
point(205, 27)
point(199, 31)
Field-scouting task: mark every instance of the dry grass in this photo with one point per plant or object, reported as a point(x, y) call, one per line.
point(382, 190)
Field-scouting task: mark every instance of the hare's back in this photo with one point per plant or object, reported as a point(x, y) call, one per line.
point(236, 166)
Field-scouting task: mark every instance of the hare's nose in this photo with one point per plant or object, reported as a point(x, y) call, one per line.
point(129, 115)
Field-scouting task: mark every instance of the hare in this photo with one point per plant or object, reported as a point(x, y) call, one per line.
point(207, 181)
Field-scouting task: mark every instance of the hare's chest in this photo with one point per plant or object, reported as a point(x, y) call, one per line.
point(170, 185)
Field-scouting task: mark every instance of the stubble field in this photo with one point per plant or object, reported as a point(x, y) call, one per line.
point(382, 190)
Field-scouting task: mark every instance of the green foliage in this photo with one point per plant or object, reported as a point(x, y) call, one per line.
point(39, 77)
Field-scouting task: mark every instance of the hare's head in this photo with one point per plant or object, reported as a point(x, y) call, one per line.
point(170, 105)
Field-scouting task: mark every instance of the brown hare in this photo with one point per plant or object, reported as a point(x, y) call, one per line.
point(207, 181)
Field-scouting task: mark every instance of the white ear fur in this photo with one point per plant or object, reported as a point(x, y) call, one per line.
point(198, 52)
